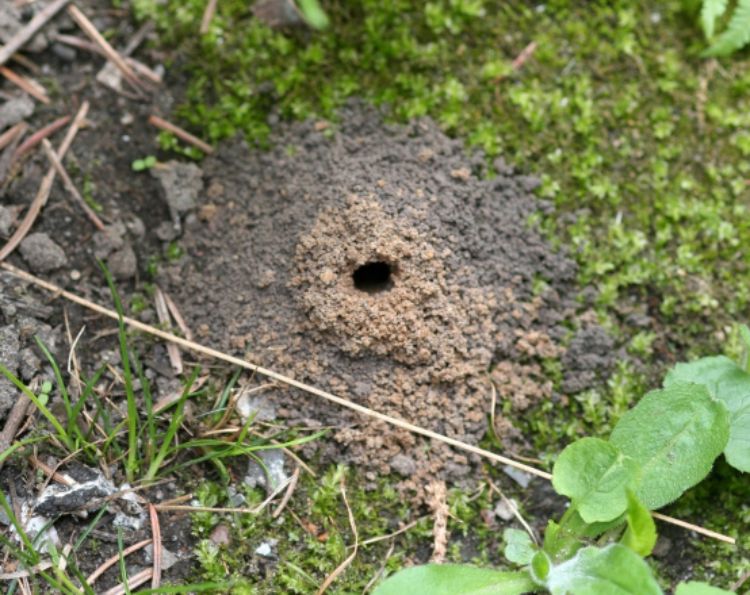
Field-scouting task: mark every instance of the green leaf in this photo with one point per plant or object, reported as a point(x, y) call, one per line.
point(710, 12)
point(540, 566)
point(640, 536)
point(455, 579)
point(594, 474)
point(730, 384)
point(613, 570)
point(737, 33)
point(674, 434)
point(313, 14)
point(698, 588)
point(519, 548)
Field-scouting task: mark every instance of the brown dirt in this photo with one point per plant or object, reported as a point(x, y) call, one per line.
point(377, 263)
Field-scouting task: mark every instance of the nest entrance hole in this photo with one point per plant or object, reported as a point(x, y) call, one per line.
point(373, 277)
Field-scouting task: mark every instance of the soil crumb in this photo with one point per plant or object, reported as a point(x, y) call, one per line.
point(378, 263)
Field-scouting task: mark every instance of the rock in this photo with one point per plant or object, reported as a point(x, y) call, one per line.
point(520, 477)
point(266, 549)
point(64, 52)
point(273, 460)
point(167, 231)
point(259, 407)
point(108, 240)
point(182, 183)
point(6, 221)
point(221, 535)
point(41, 253)
point(403, 465)
point(14, 110)
point(9, 356)
point(123, 263)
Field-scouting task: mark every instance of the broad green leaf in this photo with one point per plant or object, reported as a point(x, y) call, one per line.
point(455, 579)
point(710, 12)
point(594, 474)
point(540, 565)
point(519, 548)
point(640, 536)
point(613, 570)
point(737, 33)
point(674, 434)
point(698, 588)
point(730, 384)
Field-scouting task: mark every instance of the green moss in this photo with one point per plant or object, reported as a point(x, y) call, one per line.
point(640, 143)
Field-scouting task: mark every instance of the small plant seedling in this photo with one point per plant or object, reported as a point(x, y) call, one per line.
point(659, 449)
point(143, 164)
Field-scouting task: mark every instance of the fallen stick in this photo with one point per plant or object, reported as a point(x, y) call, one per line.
point(394, 421)
point(10, 135)
point(30, 29)
point(37, 137)
point(69, 186)
point(12, 423)
point(180, 133)
point(27, 86)
point(82, 44)
point(91, 579)
point(45, 187)
point(208, 16)
point(112, 55)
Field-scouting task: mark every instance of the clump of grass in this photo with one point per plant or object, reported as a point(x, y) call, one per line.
point(144, 445)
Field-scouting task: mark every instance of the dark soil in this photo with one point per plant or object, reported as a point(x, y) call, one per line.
point(379, 263)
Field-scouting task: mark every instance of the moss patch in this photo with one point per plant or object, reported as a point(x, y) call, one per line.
point(643, 146)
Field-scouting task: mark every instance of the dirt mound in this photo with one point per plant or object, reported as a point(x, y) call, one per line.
point(375, 262)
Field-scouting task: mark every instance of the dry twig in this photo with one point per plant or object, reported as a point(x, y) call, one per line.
point(69, 186)
point(156, 549)
point(287, 495)
point(181, 134)
point(37, 137)
point(7, 137)
point(350, 558)
point(27, 85)
point(44, 188)
point(133, 582)
point(162, 313)
point(91, 579)
point(112, 55)
point(394, 421)
point(208, 16)
point(438, 502)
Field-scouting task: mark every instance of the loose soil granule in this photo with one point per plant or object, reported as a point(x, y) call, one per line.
point(376, 262)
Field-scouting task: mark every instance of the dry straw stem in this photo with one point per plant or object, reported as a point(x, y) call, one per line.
point(10, 135)
point(157, 547)
point(399, 423)
point(30, 29)
point(114, 559)
point(341, 567)
point(184, 135)
point(37, 137)
point(45, 187)
point(208, 16)
point(69, 186)
point(88, 28)
point(32, 88)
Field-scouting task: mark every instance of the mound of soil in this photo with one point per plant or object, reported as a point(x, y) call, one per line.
point(376, 262)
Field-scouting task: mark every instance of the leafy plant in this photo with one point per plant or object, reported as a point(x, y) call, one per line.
point(143, 164)
point(735, 36)
point(659, 449)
